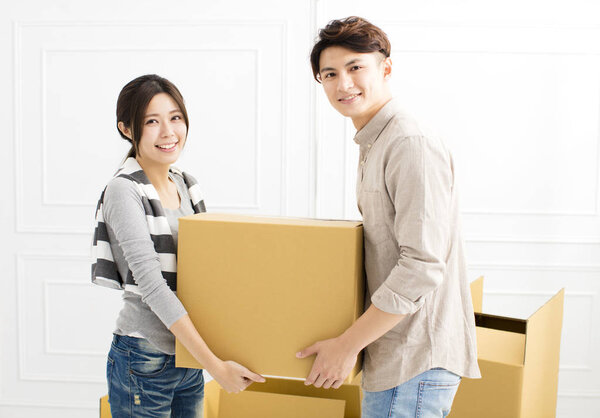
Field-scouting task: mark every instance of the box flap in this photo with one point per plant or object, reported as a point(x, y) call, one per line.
point(350, 393)
point(502, 323)
point(477, 294)
point(500, 346)
point(542, 355)
point(250, 404)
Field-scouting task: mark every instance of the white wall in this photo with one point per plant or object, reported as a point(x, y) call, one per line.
point(513, 87)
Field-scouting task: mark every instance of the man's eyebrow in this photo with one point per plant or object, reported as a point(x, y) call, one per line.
point(352, 61)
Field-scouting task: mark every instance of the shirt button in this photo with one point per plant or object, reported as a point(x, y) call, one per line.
point(369, 146)
point(362, 163)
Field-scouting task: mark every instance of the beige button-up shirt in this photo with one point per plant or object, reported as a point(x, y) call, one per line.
point(414, 255)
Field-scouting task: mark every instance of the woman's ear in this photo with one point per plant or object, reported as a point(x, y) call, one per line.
point(124, 129)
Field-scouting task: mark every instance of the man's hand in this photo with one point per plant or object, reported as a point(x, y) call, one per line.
point(334, 362)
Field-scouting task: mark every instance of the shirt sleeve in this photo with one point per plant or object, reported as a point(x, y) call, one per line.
point(124, 213)
point(418, 177)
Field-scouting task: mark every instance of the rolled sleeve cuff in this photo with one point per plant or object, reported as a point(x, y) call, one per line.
point(387, 300)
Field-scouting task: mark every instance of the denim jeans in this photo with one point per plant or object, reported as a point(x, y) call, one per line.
point(143, 382)
point(427, 395)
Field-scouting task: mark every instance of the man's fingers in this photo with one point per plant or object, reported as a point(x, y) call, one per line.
point(337, 384)
point(312, 376)
point(308, 351)
point(327, 384)
point(319, 382)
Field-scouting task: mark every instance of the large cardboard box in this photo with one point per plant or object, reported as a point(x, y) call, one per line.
point(260, 289)
point(276, 398)
point(519, 361)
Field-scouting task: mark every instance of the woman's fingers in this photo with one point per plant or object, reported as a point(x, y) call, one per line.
point(253, 376)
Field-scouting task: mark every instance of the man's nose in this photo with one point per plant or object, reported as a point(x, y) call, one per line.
point(345, 82)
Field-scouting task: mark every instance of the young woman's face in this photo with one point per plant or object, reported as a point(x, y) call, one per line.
point(164, 132)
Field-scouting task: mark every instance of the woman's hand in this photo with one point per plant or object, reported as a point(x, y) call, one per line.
point(234, 377)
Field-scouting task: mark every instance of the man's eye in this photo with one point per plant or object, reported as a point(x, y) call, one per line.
point(356, 67)
point(329, 75)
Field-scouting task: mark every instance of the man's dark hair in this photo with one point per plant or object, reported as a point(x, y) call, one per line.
point(354, 33)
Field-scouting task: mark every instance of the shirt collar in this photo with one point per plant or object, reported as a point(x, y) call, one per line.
point(369, 133)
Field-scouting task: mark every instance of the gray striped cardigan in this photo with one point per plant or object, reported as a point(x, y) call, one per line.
point(104, 268)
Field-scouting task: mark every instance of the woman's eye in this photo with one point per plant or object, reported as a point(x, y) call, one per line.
point(150, 121)
point(176, 117)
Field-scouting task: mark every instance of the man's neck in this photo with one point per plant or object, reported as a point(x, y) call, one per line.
point(361, 120)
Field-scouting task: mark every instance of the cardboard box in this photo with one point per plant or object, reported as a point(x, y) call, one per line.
point(276, 398)
point(260, 289)
point(104, 407)
point(283, 398)
point(518, 359)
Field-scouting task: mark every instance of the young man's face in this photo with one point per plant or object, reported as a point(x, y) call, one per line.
point(355, 83)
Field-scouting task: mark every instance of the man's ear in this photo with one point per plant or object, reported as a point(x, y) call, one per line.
point(387, 68)
point(124, 129)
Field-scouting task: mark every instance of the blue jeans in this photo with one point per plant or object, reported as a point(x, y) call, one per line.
point(428, 395)
point(143, 382)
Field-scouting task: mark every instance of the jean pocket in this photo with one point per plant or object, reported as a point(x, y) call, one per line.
point(110, 365)
point(147, 364)
point(435, 398)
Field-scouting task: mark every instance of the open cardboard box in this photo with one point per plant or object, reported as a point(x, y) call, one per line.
point(260, 289)
point(518, 359)
point(276, 398)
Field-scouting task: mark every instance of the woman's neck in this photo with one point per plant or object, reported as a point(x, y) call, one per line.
point(158, 174)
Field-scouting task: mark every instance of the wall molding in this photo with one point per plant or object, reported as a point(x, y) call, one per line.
point(536, 267)
point(46, 283)
point(23, 373)
point(532, 240)
point(22, 226)
point(47, 201)
point(589, 50)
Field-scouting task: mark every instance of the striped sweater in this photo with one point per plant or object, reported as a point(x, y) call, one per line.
point(104, 269)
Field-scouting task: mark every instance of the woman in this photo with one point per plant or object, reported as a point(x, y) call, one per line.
point(135, 244)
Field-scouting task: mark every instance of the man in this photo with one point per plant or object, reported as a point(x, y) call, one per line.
point(418, 329)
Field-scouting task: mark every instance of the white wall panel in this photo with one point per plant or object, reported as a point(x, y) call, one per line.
point(235, 129)
point(55, 344)
point(523, 126)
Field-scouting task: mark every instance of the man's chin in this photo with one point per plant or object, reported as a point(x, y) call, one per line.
point(349, 113)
